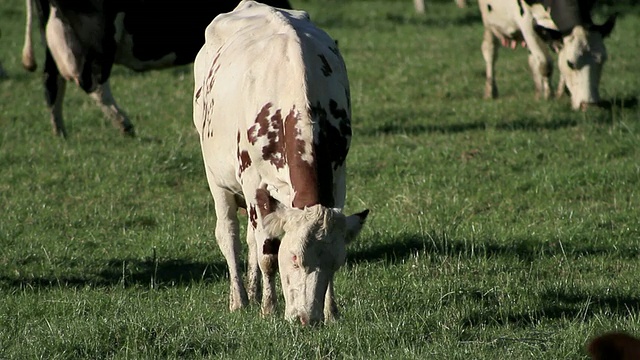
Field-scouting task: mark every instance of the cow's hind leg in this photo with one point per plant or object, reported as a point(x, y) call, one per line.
point(54, 88)
point(253, 272)
point(227, 233)
point(102, 95)
point(490, 54)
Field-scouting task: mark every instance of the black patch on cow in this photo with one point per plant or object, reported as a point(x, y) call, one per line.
point(489, 8)
point(331, 147)
point(335, 49)
point(326, 68)
point(521, 7)
point(271, 246)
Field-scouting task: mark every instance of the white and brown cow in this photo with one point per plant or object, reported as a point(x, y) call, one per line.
point(272, 108)
point(84, 39)
point(565, 23)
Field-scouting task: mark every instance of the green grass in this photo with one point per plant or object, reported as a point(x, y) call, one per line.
point(499, 229)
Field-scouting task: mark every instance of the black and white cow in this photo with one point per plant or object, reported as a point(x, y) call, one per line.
point(567, 24)
point(84, 38)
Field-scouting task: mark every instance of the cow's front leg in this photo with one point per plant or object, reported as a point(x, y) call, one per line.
point(490, 54)
point(102, 95)
point(540, 60)
point(541, 68)
point(269, 266)
point(562, 87)
point(227, 233)
point(330, 307)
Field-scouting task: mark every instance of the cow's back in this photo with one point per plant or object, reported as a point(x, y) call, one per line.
point(263, 75)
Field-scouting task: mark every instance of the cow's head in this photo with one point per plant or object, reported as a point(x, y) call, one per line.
point(312, 248)
point(581, 56)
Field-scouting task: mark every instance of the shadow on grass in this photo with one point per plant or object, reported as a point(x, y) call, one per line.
point(126, 273)
point(629, 102)
point(467, 19)
point(403, 246)
point(415, 129)
point(532, 124)
point(559, 305)
point(410, 127)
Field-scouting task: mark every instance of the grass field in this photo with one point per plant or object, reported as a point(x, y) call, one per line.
point(504, 229)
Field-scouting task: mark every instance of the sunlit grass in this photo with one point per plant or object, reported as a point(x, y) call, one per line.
point(500, 229)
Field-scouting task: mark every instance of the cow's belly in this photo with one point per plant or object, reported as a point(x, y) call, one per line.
point(125, 51)
point(124, 56)
point(501, 17)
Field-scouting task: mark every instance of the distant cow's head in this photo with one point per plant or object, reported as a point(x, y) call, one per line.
point(312, 249)
point(581, 57)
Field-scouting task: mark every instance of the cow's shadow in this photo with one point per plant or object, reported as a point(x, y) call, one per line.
point(405, 245)
point(627, 102)
point(466, 19)
point(555, 303)
point(558, 305)
point(127, 272)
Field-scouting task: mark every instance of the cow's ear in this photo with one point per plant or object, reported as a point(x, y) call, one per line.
point(606, 28)
point(354, 225)
point(274, 222)
point(548, 35)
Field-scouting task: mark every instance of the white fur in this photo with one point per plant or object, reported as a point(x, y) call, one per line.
point(269, 56)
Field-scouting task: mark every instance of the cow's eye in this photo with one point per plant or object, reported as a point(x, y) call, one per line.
point(571, 65)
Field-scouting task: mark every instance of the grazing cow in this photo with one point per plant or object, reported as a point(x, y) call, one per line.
point(614, 346)
point(565, 23)
point(85, 38)
point(272, 108)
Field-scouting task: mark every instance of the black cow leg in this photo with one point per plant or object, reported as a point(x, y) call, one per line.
point(54, 87)
point(3, 74)
point(102, 95)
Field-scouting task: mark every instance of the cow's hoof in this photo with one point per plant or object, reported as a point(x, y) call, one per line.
point(128, 130)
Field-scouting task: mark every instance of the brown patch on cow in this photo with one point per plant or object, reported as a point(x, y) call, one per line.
point(253, 216)
point(244, 160)
point(274, 151)
point(198, 93)
point(302, 174)
point(331, 147)
point(266, 204)
point(326, 68)
point(271, 246)
point(207, 112)
point(215, 59)
point(261, 126)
